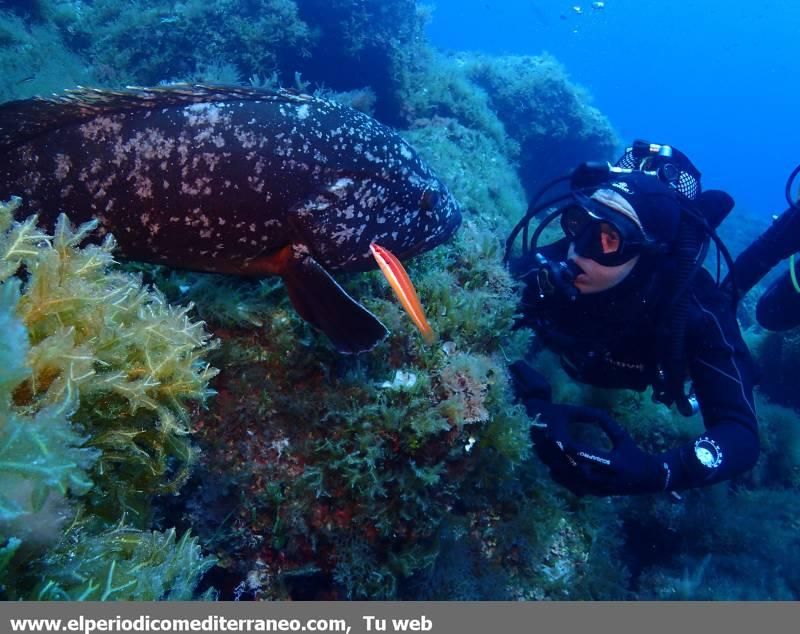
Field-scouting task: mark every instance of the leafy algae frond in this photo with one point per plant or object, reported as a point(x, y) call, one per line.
point(97, 373)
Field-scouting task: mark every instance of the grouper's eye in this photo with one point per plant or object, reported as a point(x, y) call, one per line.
point(429, 200)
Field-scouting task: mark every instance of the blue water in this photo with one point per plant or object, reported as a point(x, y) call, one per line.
point(715, 78)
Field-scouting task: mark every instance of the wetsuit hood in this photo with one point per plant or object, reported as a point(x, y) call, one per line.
point(649, 203)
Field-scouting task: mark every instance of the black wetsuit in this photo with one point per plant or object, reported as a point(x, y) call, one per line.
point(779, 306)
point(612, 339)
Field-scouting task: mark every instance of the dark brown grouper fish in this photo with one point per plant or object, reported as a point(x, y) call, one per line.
point(231, 180)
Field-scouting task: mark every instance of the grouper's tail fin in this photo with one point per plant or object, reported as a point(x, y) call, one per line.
point(25, 119)
point(323, 303)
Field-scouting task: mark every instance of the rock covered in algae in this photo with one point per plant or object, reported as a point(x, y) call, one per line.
point(97, 374)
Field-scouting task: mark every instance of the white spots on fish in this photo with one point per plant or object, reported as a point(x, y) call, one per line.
point(256, 184)
point(293, 166)
point(415, 181)
point(246, 138)
point(348, 213)
point(340, 187)
point(303, 112)
point(300, 250)
point(28, 157)
point(97, 187)
point(202, 114)
point(101, 128)
point(410, 217)
point(207, 117)
point(63, 166)
point(405, 152)
point(343, 234)
point(200, 186)
point(211, 160)
point(183, 148)
point(142, 185)
point(96, 166)
point(146, 145)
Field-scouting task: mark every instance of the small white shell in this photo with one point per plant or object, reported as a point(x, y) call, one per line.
point(402, 381)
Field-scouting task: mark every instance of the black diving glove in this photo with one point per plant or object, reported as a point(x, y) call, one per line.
point(586, 470)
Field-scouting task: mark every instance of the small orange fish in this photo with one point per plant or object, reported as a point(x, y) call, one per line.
point(404, 290)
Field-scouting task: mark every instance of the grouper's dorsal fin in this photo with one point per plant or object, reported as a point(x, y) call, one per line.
point(26, 119)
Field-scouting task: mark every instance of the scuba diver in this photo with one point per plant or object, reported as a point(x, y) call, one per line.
point(779, 307)
point(622, 297)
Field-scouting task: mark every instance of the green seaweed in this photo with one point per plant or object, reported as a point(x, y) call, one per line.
point(122, 564)
point(96, 374)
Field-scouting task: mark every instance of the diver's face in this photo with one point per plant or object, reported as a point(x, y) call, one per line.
point(597, 278)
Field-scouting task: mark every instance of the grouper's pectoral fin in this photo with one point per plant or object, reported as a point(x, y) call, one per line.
point(323, 303)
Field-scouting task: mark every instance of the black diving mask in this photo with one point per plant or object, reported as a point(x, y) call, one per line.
point(602, 234)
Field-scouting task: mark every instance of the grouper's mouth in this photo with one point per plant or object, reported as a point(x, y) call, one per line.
point(362, 260)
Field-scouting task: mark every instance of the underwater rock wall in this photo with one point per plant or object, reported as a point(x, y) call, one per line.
point(550, 118)
point(328, 477)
